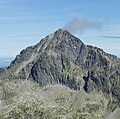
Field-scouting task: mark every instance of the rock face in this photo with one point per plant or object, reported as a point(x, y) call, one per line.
point(2, 70)
point(61, 58)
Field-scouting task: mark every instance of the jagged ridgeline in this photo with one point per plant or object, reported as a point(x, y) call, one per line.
point(61, 58)
point(61, 78)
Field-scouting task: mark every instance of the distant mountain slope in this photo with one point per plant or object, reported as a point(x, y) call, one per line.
point(62, 59)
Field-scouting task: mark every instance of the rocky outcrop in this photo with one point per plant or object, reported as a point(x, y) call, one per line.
point(2, 70)
point(61, 58)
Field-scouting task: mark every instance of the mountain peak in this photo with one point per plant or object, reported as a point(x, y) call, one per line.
point(61, 32)
point(62, 58)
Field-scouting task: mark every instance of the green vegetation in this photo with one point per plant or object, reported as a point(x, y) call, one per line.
point(112, 105)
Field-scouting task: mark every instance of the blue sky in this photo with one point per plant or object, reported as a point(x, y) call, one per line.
point(25, 22)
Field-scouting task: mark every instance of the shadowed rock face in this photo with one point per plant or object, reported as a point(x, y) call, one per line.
point(2, 70)
point(61, 58)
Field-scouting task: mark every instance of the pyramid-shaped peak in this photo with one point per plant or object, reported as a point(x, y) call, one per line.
point(64, 34)
point(61, 31)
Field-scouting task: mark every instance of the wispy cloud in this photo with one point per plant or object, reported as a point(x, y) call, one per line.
point(28, 18)
point(80, 25)
point(113, 37)
point(15, 35)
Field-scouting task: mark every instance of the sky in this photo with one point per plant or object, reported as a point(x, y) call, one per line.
point(25, 22)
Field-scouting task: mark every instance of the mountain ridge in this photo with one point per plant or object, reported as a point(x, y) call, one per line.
point(71, 79)
point(67, 47)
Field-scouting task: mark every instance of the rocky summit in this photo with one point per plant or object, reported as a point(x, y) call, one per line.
point(61, 78)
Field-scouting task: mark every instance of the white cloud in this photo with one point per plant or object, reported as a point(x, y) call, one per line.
point(80, 25)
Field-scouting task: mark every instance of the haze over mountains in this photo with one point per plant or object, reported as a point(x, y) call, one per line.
point(4, 62)
point(61, 73)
